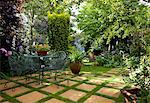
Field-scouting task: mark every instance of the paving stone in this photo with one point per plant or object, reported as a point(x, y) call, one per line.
point(73, 95)
point(1, 98)
point(104, 78)
point(109, 91)
point(47, 77)
point(47, 72)
point(24, 81)
point(118, 85)
point(54, 101)
point(31, 97)
point(112, 72)
point(16, 91)
point(96, 81)
point(98, 99)
point(6, 102)
point(53, 88)
point(87, 75)
point(117, 79)
point(50, 80)
point(58, 79)
point(68, 83)
point(3, 81)
point(35, 75)
point(67, 74)
point(17, 78)
point(79, 78)
point(86, 87)
point(107, 75)
point(35, 85)
point(8, 85)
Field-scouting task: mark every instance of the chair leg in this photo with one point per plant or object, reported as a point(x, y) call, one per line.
point(50, 74)
point(42, 74)
point(26, 78)
point(55, 76)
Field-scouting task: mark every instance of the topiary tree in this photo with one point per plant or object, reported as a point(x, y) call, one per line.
point(58, 31)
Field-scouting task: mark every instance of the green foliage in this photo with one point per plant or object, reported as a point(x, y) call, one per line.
point(132, 62)
point(41, 7)
point(139, 72)
point(100, 60)
point(58, 31)
point(76, 55)
point(102, 21)
point(37, 7)
point(109, 60)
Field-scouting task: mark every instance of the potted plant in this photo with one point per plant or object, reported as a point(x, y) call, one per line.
point(139, 74)
point(76, 57)
point(42, 49)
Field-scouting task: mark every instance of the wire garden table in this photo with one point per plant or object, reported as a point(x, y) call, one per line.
point(39, 63)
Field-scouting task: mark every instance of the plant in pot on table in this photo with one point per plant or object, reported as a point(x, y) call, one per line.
point(76, 57)
point(40, 44)
point(41, 49)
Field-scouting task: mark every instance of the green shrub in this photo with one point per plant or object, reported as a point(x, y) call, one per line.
point(58, 31)
point(100, 60)
point(109, 60)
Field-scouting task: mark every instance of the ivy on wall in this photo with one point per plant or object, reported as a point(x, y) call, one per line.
point(58, 31)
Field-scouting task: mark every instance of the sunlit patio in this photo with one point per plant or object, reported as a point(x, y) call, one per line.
point(74, 51)
point(67, 88)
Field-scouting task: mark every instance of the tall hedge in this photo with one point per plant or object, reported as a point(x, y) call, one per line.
point(58, 31)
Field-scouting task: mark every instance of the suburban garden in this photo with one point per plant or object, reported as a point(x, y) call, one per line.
point(74, 51)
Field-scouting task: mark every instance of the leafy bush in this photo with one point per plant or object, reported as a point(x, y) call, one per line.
point(109, 60)
point(139, 73)
point(58, 31)
point(76, 55)
point(100, 60)
point(113, 22)
point(10, 25)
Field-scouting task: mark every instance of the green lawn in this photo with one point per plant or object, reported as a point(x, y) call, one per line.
point(95, 69)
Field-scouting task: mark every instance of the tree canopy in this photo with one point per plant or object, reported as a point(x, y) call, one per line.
point(103, 21)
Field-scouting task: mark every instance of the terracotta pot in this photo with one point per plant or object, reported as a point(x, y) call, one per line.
point(42, 53)
point(75, 67)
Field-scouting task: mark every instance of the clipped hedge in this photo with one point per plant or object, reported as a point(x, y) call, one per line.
point(58, 31)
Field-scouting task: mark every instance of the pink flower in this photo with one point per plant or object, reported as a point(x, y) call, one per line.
point(3, 50)
point(7, 53)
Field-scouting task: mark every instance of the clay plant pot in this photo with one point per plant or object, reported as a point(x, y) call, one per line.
point(75, 67)
point(42, 53)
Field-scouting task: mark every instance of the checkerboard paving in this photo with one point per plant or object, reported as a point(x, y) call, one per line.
point(67, 89)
